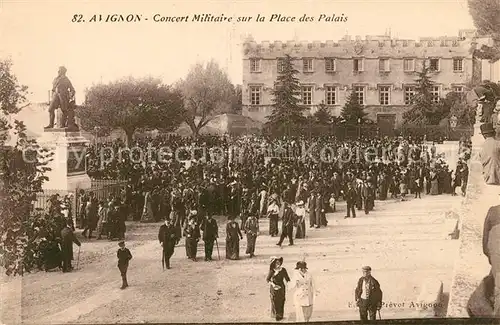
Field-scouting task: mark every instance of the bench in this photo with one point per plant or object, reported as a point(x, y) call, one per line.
point(429, 302)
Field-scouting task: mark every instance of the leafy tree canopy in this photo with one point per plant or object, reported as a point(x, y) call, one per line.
point(22, 168)
point(207, 92)
point(131, 104)
point(485, 14)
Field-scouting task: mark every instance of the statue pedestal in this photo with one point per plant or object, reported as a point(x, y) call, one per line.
point(68, 166)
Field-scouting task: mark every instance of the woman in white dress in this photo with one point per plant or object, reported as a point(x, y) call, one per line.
point(303, 297)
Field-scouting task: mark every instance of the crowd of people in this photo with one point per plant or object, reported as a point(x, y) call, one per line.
point(246, 176)
point(297, 180)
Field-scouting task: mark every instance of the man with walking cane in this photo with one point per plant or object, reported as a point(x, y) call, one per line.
point(210, 235)
point(67, 239)
point(368, 296)
point(167, 237)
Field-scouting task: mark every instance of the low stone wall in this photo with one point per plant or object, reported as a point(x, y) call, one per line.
point(471, 265)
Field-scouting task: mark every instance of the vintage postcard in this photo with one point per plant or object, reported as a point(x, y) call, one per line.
point(249, 161)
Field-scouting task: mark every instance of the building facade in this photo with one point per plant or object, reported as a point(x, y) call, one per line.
point(380, 70)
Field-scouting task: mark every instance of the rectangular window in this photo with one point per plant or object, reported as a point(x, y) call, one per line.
point(307, 65)
point(279, 64)
point(458, 65)
point(384, 95)
point(357, 65)
point(329, 64)
point(435, 92)
point(331, 95)
point(307, 94)
point(359, 92)
point(409, 65)
point(409, 92)
point(255, 95)
point(383, 65)
point(458, 89)
point(434, 64)
point(254, 65)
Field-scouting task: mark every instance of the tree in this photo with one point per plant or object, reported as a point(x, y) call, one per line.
point(131, 104)
point(353, 113)
point(207, 92)
point(237, 103)
point(455, 104)
point(322, 115)
point(22, 168)
point(423, 110)
point(485, 15)
point(287, 115)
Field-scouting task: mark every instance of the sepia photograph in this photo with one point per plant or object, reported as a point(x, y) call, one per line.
point(249, 161)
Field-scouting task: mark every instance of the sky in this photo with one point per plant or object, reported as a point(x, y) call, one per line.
point(39, 36)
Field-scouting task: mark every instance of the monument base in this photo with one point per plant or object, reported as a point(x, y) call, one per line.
point(68, 165)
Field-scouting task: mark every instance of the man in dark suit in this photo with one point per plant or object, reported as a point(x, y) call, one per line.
point(287, 225)
point(210, 235)
point(350, 198)
point(368, 197)
point(67, 240)
point(167, 237)
point(319, 205)
point(368, 295)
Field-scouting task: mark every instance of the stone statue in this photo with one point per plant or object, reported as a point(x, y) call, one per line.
point(63, 96)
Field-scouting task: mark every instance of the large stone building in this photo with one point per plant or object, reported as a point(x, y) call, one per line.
point(380, 70)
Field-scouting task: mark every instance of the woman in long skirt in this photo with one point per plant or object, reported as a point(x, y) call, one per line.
point(252, 229)
point(192, 233)
point(102, 228)
point(434, 183)
point(303, 297)
point(301, 220)
point(147, 211)
point(273, 215)
point(276, 279)
point(233, 236)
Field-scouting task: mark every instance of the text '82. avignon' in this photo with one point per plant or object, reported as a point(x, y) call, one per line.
point(203, 18)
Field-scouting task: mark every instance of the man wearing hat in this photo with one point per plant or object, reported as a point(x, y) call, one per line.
point(67, 239)
point(490, 155)
point(210, 235)
point(124, 256)
point(368, 295)
point(167, 238)
point(350, 198)
point(287, 225)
